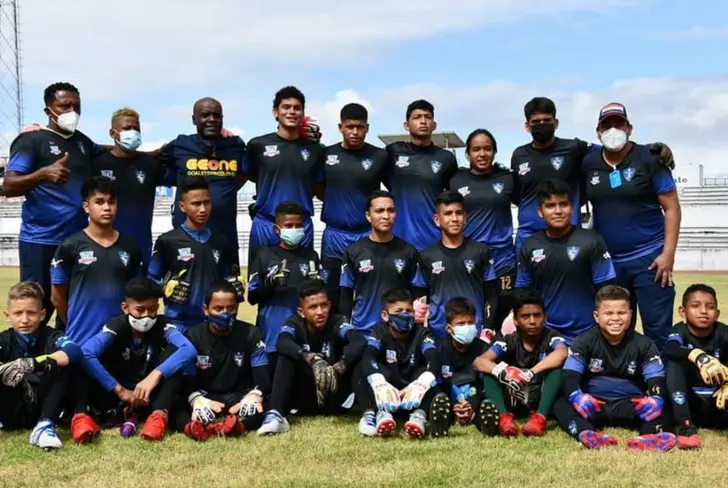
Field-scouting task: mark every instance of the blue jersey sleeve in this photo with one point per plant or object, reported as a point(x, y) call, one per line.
point(652, 366)
point(92, 350)
point(22, 155)
point(183, 356)
point(601, 263)
point(577, 358)
point(498, 348)
point(523, 274)
point(489, 271)
point(419, 280)
point(72, 350)
point(155, 272)
point(62, 265)
point(259, 357)
point(663, 181)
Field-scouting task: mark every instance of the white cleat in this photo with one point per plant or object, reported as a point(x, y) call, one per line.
point(44, 436)
point(368, 424)
point(415, 426)
point(274, 423)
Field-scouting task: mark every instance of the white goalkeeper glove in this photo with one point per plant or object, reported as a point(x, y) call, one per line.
point(413, 394)
point(385, 395)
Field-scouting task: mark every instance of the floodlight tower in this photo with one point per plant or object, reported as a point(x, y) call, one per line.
point(11, 83)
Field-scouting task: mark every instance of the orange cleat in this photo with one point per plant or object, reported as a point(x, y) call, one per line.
point(536, 425)
point(507, 425)
point(155, 426)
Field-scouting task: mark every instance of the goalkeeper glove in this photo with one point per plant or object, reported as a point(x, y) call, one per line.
point(648, 408)
point(238, 282)
point(510, 376)
point(310, 129)
point(277, 276)
point(323, 374)
point(201, 407)
point(251, 404)
point(411, 397)
point(385, 395)
point(44, 364)
point(711, 370)
point(177, 290)
point(12, 373)
point(313, 271)
point(585, 404)
point(721, 397)
point(665, 153)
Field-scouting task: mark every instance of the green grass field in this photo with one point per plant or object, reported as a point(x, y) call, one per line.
point(328, 452)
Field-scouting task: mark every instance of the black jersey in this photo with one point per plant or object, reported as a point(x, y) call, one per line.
point(450, 273)
point(457, 367)
point(296, 338)
point(236, 362)
point(96, 277)
point(614, 371)
point(351, 176)
point(45, 340)
point(406, 358)
point(566, 271)
point(510, 349)
point(372, 269)
point(680, 342)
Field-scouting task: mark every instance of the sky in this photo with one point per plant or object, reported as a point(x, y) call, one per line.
point(477, 61)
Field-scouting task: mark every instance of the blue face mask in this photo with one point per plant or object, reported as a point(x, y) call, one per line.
point(130, 140)
point(402, 322)
point(464, 334)
point(292, 237)
point(222, 321)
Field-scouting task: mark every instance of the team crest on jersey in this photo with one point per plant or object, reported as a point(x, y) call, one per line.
point(324, 275)
point(524, 169)
point(305, 154)
point(81, 148)
point(271, 151)
point(498, 187)
point(679, 397)
point(464, 191)
point(572, 252)
point(557, 162)
point(185, 254)
point(595, 365)
point(391, 356)
point(537, 255)
point(595, 180)
point(55, 150)
point(141, 176)
point(238, 359)
point(203, 362)
point(632, 367)
point(216, 255)
point(304, 269)
point(437, 267)
point(399, 265)
point(628, 174)
point(86, 257)
point(365, 266)
point(108, 173)
point(124, 256)
point(366, 164)
point(469, 265)
point(445, 371)
point(332, 160)
point(402, 162)
point(436, 166)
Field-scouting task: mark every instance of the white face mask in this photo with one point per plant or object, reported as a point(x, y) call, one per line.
point(143, 324)
point(130, 140)
point(67, 121)
point(614, 139)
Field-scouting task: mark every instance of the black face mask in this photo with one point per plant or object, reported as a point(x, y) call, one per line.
point(542, 133)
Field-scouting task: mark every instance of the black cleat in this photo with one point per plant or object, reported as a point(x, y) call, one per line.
point(440, 415)
point(488, 418)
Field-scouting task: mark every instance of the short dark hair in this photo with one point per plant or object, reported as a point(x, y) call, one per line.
point(354, 111)
point(448, 197)
point(220, 286)
point(420, 105)
point(539, 105)
point(289, 208)
point(527, 296)
point(458, 306)
point(551, 188)
point(698, 287)
point(142, 288)
point(50, 92)
point(396, 295)
point(378, 194)
point(191, 183)
point(289, 92)
point(480, 132)
point(610, 293)
point(309, 288)
point(98, 184)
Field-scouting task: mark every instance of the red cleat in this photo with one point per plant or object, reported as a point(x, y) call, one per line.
point(231, 426)
point(196, 431)
point(155, 426)
point(687, 437)
point(507, 425)
point(596, 440)
point(84, 428)
point(536, 425)
point(663, 441)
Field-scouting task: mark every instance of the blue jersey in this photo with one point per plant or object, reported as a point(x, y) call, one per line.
point(220, 161)
point(627, 212)
point(566, 271)
point(283, 170)
point(96, 277)
point(488, 199)
point(416, 175)
point(52, 212)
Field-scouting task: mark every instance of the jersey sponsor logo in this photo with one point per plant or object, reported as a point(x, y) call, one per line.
point(498, 187)
point(628, 173)
point(437, 267)
point(86, 257)
point(557, 162)
point(211, 167)
point(572, 252)
point(141, 176)
point(185, 254)
point(238, 358)
point(537, 255)
point(305, 154)
point(469, 265)
point(108, 173)
point(524, 169)
point(464, 191)
point(399, 265)
point(445, 371)
point(216, 255)
point(390, 356)
point(436, 166)
point(595, 365)
point(304, 269)
point(402, 162)
point(332, 160)
point(55, 262)
point(365, 266)
point(271, 151)
point(81, 148)
point(124, 256)
point(632, 368)
point(55, 150)
point(594, 180)
point(367, 164)
point(203, 362)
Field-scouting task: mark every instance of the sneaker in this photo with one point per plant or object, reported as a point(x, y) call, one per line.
point(155, 426)
point(196, 431)
point(596, 440)
point(536, 425)
point(44, 436)
point(415, 426)
point(368, 424)
point(129, 427)
point(83, 428)
point(488, 418)
point(663, 441)
point(687, 437)
point(440, 415)
point(507, 426)
point(273, 423)
point(385, 423)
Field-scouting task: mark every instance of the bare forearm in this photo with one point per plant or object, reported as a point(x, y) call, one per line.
point(554, 360)
point(484, 364)
point(59, 298)
point(673, 216)
point(61, 358)
point(17, 185)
